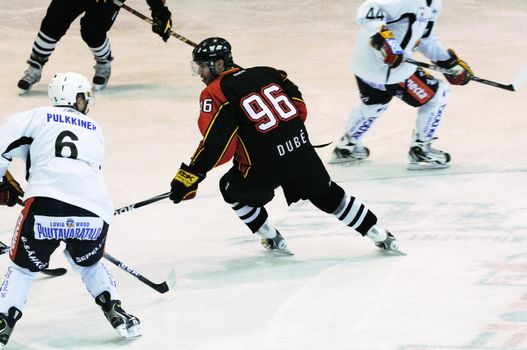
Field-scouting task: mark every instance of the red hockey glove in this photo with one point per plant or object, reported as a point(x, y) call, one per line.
point(460, 70)
point(385, 42)
point(185, 184)
point(10, 190)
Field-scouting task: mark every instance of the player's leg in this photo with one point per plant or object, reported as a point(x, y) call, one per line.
point(95, 24)
point(374, 102)
point(59, 16)
point(430, 96)
point(248, 202)
point(84, 253)
point(29, 255)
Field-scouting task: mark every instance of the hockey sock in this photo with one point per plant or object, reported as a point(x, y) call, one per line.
point(361, 119)
point(253, 217)
point(355, 215)
point(15, 288)
point(429, 115)
point(43, 47)
point(102, 53)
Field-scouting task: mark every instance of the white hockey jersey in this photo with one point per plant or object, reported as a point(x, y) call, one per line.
point(64, 152)
point(411, 22)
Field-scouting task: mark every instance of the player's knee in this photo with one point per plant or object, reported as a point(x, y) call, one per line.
point(329, 201)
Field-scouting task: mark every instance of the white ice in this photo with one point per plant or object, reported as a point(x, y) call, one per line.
point(463, 284)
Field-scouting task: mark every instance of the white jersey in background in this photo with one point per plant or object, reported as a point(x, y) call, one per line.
point(64, 153)
point(412, 24)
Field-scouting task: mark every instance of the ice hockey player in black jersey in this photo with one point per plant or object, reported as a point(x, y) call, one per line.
point(98, 18)
point(257, 114)
point(65, 201)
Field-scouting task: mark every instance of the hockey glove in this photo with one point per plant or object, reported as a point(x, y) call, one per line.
point(162, 22)
point(10, 190)
point(385, 42)
point(460, 71)
point(185, 184)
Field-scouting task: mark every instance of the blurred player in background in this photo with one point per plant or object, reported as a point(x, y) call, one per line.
point(98, 18)
point(390, 31)
point(258, 114)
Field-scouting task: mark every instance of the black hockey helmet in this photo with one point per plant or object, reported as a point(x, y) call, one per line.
point(211, 50)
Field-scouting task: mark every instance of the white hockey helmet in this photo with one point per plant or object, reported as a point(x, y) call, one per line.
point(64, 87)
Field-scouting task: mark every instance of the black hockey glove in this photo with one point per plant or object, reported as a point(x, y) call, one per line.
point(185, 184)
point(385, 42)
point(10, 190)
point(460, 70)
point(162, 22)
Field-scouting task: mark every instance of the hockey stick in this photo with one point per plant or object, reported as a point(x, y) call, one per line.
point(149, 21)
point(522, 76)
point(133, 206)
point(162, 287)
point(59, 271)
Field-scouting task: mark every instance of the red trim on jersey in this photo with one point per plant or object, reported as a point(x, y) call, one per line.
point(301, 107)
point(18, 229)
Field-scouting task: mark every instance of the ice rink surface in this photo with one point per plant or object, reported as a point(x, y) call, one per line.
point(463, 284)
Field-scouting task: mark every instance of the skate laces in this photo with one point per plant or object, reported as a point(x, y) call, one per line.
point(33, 73)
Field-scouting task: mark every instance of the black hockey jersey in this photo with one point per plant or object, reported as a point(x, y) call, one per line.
point(257, 115)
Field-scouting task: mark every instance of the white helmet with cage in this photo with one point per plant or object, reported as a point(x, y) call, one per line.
point(64, 87)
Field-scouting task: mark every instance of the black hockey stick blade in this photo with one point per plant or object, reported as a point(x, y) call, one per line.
point(162, 287)
point(59, 271)
point(322, 145)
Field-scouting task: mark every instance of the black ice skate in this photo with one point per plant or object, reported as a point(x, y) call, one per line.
point(31, 75)
point(7, 323)
point(348, 152)
point(422, 156)
point(277, 244)
point(103, 70)
point(126, 325)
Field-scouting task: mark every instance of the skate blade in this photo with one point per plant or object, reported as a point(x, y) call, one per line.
point(128, 333)
point(345, 161)
point(280, 252)
point(22, 91)
point(393, 252)
point(427, 166)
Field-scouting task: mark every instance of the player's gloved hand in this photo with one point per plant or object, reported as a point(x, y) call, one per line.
point(460, 72)
point(10, 190)
point(162, 22)
point(385, 42)
point(185, 184)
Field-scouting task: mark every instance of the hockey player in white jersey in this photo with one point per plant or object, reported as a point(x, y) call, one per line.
point(391, 30)
point(65, 200)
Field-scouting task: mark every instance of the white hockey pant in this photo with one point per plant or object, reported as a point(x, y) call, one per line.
point(15, 288)
point(361, 119)
point(429, 115)
point(96, 278)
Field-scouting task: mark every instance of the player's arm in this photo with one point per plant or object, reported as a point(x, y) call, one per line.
point(219, 130)
point(162, 18)
point(293, 92)
point(371, 16)
point(431, 47)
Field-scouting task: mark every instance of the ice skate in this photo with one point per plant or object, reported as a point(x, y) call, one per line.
point(422, 156)
point(348, 152)
point(390, 244)
point(277, 244)
point(31, 75)
point(103, 70)
point(7, 323)
point(126, 325)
